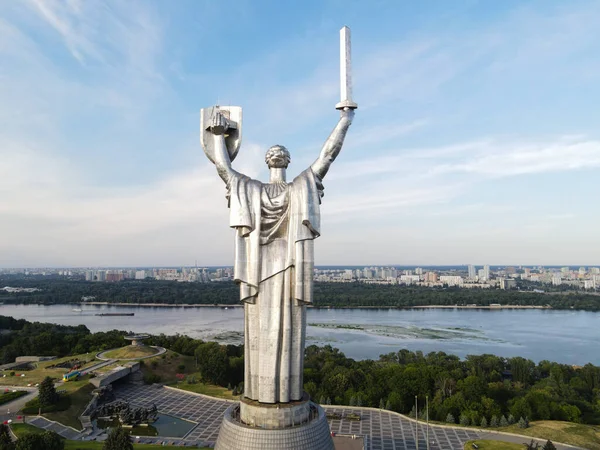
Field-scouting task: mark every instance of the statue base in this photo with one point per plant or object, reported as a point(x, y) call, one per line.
point(276, 415)
point(310, 434)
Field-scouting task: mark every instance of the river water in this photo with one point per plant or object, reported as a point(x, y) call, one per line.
point(570, 337)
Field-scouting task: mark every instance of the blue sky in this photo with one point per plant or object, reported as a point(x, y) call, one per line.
point(476, 139)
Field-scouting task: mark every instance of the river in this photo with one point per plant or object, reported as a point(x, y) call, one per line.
point(569, 337)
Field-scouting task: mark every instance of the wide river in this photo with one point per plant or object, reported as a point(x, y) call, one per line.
point(565, 336)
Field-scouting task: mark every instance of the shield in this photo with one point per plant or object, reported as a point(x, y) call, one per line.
point(233, 135)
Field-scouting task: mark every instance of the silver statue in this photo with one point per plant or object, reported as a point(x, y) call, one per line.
point(275, 224)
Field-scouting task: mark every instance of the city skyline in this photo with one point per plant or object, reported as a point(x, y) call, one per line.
point(476, 138)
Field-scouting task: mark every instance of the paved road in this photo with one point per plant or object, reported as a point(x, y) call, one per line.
point(9, 410)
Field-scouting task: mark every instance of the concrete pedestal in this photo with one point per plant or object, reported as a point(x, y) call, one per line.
point(275, 416)
point(313, 434)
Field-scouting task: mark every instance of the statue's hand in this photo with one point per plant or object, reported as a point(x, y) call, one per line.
point(347, 113)
point(219, 124)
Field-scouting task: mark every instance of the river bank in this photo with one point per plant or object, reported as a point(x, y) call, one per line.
point(226, 306)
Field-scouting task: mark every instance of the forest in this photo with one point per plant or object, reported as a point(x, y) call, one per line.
point(339, 295)
point(465, 391)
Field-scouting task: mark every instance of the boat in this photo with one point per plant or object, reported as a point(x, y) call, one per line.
point(114, 314)
point(77, 310)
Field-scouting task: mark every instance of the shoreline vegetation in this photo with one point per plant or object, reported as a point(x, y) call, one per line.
point(150, 293)
point(185, 305)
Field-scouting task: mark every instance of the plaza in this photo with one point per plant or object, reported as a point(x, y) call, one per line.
point(382, 430)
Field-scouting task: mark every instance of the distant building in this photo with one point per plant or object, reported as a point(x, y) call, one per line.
point(507, 283)
point(140, 275)
point(431, 277)
point(556, 281)
point(472, 274)
point(452, 280)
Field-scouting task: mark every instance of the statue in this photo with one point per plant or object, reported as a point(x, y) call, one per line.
point(275, 226)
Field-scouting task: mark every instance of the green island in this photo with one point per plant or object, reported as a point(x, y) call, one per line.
point(547, 400)
point(55, 290)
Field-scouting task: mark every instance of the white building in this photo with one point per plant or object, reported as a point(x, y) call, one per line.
point(452, 280)
point(472, 273)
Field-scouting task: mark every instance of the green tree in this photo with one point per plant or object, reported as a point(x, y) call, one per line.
point(48, 440)
point(47, 392)
point(532, 445)
point(213, 361)
point(450, 419)
point(52, 441)
point(6, 442)
point(548, 445)
point(484, 422)
point(494, 422)
point(503, 421)
point(381, 404)
point(118, 439)
point(522, 423)
point(464, 420)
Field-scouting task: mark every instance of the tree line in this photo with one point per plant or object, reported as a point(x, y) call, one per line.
point(356, 294)
point(479, 387)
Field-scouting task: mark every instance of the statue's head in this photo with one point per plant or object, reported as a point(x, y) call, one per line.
point(277, 157)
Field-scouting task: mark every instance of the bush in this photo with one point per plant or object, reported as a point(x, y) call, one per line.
point(484, 422)
point(450, 418)
point(191, 379)
point(10, 396)
point(181, 367)
point(33, 406)
point(464, 420)
point(549, 445)
point(118, 439)
point(523, 423)
point(494, 422)
point(151, 378)
point(12, 374)
point(503, 421)
point(511, 419)
point(48, 440)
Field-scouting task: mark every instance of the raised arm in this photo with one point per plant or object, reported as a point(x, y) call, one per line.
point(221, 155)
point(333, 144)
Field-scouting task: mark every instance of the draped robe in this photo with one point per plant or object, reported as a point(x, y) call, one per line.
point(275, 228)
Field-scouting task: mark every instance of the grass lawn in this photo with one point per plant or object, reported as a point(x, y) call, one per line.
point(130, 351)
point(493, 445)
point(167, 366)
point(21, 428)
point(206, 389)
point(41, 371)
point(586, 436)
point(79, 400)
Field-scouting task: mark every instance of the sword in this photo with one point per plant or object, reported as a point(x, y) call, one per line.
point(345, 71)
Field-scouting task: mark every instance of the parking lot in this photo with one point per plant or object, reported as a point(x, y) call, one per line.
point(382, 430)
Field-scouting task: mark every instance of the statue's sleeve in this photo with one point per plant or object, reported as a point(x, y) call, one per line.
point(243, 194)
point(239, 196)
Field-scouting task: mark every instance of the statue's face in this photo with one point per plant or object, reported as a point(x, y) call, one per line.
point(277, 157)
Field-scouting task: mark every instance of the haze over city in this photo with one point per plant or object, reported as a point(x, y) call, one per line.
point(476, 139)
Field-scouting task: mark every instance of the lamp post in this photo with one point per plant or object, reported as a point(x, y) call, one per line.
point(427, 418)
point(417, 422)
